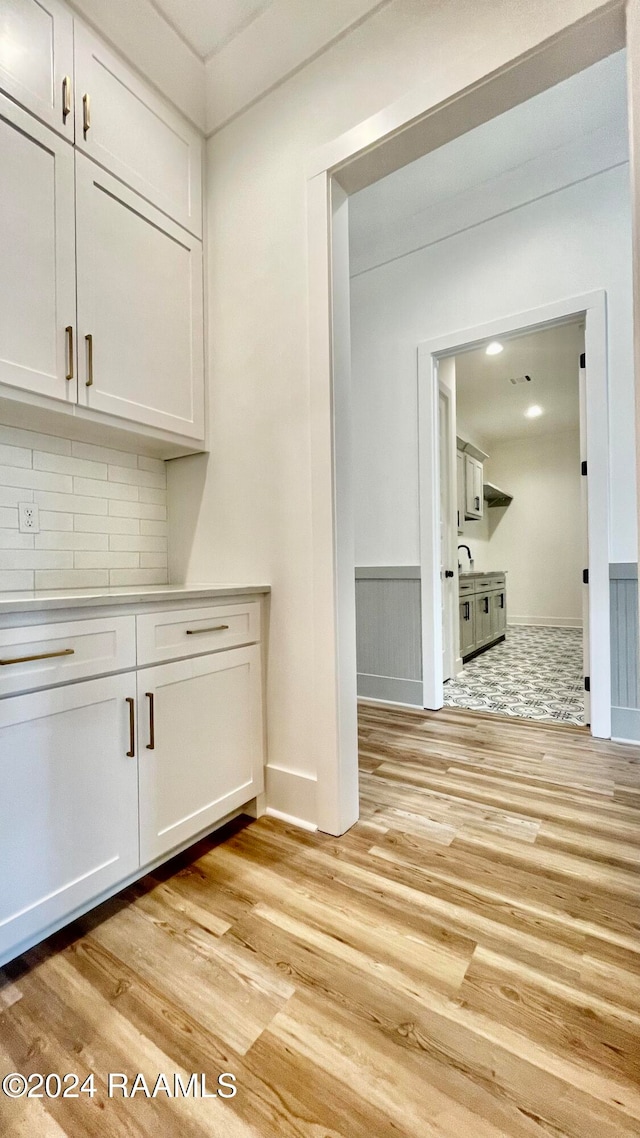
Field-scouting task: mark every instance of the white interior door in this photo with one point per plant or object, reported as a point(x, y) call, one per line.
point(37, 256)
point(585, 534)
point(448, 516)
point(140, 301)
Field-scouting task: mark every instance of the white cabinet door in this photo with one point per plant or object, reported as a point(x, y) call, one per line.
point(473, 472)
point(69, 803)
point(37, 256)
point(140, 301)
point(201, 746)
point(134, 134)
point(36, 59)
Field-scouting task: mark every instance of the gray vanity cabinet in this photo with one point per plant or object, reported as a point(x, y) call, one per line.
point(483, 612)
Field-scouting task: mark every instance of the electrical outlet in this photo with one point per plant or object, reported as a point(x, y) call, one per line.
point(29, 517)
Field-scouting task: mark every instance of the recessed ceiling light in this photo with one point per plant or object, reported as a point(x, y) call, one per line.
point(494, 348)
point(534, 411)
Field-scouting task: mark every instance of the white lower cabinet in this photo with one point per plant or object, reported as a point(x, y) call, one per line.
point(103, 777)
point(69, 803)
point(200, 752)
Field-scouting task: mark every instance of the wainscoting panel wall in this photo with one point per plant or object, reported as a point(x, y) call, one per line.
point(625, 679)
point(102, 514)
point(389, 642)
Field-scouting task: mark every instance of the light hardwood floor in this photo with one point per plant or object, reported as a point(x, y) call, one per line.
point(465, 962)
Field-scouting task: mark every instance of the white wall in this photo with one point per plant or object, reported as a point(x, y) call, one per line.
point(561, 245)
point(538, 539)
point(247, 512)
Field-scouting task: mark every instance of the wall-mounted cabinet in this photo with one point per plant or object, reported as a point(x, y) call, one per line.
point(140, 301)
point(474, 501)
point(115, 228)
point(470, 476)
point(36, 60)
point(125, 127)
point(37, 265)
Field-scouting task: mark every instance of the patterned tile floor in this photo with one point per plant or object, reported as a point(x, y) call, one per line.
point(536, 673)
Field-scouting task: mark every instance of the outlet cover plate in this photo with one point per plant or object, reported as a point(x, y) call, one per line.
point(28, 517)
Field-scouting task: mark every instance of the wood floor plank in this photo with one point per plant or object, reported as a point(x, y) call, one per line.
point(464, 961)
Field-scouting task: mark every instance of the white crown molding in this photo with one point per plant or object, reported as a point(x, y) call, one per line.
point(279, 42)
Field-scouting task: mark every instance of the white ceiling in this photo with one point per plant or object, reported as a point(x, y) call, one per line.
point(566, 133)
point(207, 25)
point(490, 409)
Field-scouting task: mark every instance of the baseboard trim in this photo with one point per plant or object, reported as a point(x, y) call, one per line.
point(546, 622)
point(290, 819)
point(625, 724)
point(291, 796)
point(390, 689)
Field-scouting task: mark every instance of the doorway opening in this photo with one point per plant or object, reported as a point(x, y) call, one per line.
point(352, 163)
point(513, 523)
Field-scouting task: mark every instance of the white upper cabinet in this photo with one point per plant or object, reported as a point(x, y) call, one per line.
point(140, 302)
point(129, 130)
point(474, 486)
point(37, 258)
point(36, 59)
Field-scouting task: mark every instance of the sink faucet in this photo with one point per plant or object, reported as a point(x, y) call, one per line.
point(470, 557)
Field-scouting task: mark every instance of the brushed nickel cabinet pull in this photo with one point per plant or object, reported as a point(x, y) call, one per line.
point(66, 97)
point(86, 115)
point(214, 628)
point(89, 339)
point(40, 656)
point(132, 728)
point(151, 745)
point(69, 332)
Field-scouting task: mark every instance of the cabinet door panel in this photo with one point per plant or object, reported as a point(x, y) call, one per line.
point(482, 620)
point(135, 135)
point(36, 54)
point(68, 809)
point(37, 264)
point(140, 298)
point(208, 753)
point(467, 627)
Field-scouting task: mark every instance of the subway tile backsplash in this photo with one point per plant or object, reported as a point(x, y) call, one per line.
point(103, 514)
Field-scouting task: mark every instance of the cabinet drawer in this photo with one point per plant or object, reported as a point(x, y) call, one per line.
point(72, 650)
point(190, 632)
point(468, 587)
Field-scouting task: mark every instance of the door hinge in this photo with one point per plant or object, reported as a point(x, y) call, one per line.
point(583, 359)
point(583, 467)
point(585, 576)
point(587, 683)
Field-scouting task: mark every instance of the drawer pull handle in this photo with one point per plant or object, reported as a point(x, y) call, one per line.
point(132, 728)
point(86, 114)
point(66, 97)
point(69, 332)
point(151, 745)
point(89, 339)
point(213, 628)
point(40, 656)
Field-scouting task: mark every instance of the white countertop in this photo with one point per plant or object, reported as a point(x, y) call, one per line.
point(125, 594)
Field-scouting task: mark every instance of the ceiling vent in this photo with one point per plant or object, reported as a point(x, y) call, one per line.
point(521, 379)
